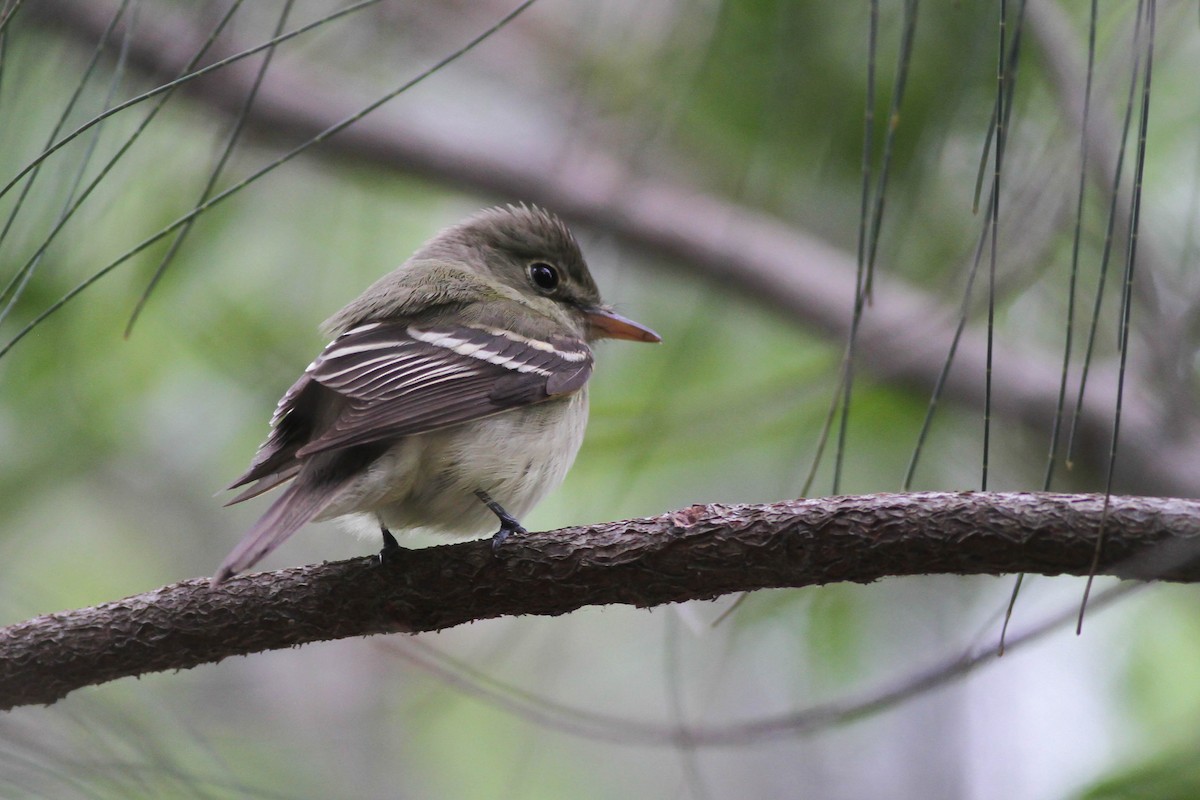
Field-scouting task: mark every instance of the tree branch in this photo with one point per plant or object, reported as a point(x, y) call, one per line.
point(695, 553)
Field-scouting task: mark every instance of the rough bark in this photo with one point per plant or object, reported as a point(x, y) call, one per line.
point(694, 553)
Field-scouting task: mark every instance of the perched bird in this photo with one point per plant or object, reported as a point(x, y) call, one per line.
point(454, 393)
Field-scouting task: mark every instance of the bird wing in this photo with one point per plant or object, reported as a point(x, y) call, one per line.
point(383, 380)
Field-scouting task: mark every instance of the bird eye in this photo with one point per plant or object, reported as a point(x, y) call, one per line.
point(544, 276)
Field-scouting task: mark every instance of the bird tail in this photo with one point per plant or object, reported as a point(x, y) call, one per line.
point(298, 504)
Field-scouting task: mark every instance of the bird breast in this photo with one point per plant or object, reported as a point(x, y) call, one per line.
point(428, 481)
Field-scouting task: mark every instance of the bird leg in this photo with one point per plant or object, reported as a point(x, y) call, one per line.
point(508, 523)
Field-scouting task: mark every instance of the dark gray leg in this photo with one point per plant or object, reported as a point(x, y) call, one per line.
point(392, 550)
point(508, 523)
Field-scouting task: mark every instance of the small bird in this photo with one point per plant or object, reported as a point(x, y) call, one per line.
point(454, 393)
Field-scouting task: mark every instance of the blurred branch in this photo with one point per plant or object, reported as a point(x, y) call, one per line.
point(695, 553)
point(639, 732)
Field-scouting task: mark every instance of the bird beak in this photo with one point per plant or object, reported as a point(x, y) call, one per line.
point(608, 324)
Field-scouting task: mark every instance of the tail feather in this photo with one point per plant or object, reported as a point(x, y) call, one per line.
point(264, 485)
point(298, 504)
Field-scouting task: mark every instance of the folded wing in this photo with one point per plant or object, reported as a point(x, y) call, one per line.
point(383, 380)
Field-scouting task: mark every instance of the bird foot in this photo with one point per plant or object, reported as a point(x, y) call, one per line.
point(392, 552)
point(508, 523)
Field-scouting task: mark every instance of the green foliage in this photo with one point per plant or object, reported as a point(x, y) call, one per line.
point(1174, 776)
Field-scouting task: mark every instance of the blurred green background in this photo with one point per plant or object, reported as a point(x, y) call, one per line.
point(114, 449)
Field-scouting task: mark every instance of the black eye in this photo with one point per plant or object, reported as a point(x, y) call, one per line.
point(544, 276)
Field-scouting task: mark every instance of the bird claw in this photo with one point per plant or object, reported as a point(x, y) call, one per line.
point(507, 528)
point(508, 523)
point(391, 552)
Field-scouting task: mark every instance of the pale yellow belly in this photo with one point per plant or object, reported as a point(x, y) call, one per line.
point(428, 482)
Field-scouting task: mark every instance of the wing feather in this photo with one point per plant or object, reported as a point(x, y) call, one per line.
point(397, 379)
point(384, 380)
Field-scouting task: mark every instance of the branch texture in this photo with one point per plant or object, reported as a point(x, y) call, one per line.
point(694, 553)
